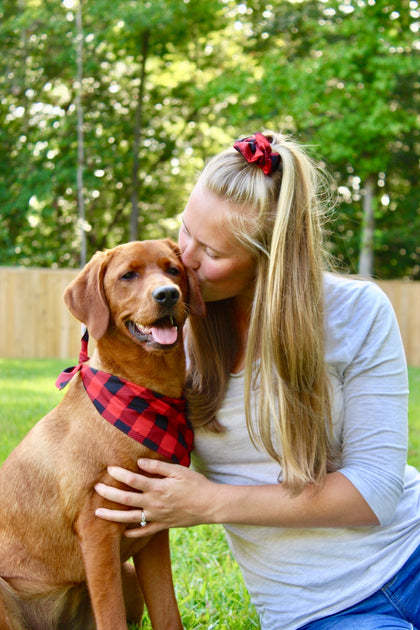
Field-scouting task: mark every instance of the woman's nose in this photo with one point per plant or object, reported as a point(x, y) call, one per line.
point(189, 257)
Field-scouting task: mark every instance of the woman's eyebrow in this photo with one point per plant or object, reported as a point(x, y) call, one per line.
point(213, 249)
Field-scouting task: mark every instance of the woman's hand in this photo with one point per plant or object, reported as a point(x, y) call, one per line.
point(180, 497)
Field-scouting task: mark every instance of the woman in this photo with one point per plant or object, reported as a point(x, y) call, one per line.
point(297, 389)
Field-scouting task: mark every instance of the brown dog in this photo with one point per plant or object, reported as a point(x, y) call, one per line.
point(58, 561)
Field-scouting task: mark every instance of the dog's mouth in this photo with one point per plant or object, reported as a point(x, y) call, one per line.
point(162, 334)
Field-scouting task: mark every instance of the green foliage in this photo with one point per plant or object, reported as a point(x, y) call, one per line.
point(342, 75)
point(343, 78)
point(39, 222)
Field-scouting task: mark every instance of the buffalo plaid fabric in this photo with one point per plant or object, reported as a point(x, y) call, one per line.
point(67, 374)
point(159, 422)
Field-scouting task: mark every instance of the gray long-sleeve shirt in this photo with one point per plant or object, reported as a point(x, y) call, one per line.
point(298, 575)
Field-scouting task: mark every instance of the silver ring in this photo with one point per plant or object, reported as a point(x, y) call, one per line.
point(143, 521)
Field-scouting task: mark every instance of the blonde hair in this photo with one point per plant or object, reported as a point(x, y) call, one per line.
point(279, 223)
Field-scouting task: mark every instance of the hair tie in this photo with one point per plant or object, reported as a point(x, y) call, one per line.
point(257, 149)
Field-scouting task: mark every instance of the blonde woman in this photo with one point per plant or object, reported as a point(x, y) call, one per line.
point(297, 390)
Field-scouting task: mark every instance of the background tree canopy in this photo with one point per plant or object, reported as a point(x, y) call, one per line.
point(167, 83)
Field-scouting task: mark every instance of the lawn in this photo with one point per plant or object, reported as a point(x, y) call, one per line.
point(210, 589)
point(414, 417)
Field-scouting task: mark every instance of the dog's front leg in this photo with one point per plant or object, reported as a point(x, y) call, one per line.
point(153, 567)
point(100, 545)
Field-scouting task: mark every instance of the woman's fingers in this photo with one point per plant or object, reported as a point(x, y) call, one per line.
point(169, 495)
point(157, 467)
point(139, 482)
point(131, 517)
point(132, 499)
point(120, 516)
point(133, 479)
point(138, 532)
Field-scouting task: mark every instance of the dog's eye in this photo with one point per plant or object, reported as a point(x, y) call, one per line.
point(129, 275)
point(173, 271)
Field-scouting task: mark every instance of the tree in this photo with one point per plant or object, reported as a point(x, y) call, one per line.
point(33, 106)
point(167, 83)
point(342, 77)
point(80, 134)
point(143, 63)
point(346, 72)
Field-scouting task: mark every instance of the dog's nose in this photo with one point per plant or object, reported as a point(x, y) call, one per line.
point(167, 296)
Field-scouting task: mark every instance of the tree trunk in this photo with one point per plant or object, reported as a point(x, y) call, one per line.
point(134, 219)
point(80, 135)
point(368, 227)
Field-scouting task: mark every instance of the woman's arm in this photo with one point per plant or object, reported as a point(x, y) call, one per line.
point(373, 443)
point(183, 498)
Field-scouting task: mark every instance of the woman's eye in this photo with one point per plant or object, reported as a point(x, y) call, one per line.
point(184, 229)
point(212, 255)
point(129, 275)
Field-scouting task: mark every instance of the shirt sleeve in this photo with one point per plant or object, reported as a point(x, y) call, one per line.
point(375, 391)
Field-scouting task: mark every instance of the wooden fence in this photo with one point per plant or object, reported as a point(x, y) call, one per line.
point(35, 323)
point(405, 298)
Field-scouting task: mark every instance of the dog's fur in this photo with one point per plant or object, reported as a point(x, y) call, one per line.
point(58, 561)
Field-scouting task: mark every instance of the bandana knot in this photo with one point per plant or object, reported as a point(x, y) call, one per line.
point(156, 421)
point(257, 148)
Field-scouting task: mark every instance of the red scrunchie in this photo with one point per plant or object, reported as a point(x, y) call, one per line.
point(257, 149)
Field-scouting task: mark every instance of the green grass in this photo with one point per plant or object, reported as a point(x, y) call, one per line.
point(210, 590)
point(27, 392)
point(414, 418)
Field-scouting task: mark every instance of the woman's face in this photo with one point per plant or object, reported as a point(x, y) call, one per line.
point(223, 267)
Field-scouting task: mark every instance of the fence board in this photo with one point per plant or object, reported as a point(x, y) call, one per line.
point(35, 323)
point(405, 299)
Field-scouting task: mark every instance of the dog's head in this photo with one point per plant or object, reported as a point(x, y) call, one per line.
point(140, 288)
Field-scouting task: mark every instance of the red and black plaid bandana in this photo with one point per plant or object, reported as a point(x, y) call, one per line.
point(159, 422)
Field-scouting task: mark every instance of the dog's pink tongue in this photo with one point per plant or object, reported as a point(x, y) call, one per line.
point(166, 336)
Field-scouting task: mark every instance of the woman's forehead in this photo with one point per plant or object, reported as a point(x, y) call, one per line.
point(209, 219)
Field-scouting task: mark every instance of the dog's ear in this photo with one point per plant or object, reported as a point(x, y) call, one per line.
point(195, 300)
point(85, 297)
